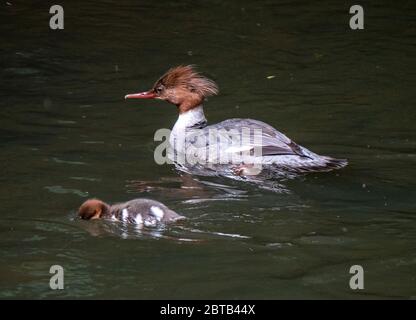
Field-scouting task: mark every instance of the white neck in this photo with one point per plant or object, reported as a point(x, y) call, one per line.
point(190, 118)
point(185, 121)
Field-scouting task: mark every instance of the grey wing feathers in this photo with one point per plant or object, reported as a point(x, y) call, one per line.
point(272, 141)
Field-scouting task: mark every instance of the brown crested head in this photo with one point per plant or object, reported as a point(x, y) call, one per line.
point(182, 86)
point(93, 209)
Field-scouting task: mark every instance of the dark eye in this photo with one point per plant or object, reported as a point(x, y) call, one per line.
point(159, 89)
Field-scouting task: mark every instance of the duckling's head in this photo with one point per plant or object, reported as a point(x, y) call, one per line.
point(93, 209)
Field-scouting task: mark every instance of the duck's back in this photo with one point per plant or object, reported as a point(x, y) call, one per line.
point(144, 211)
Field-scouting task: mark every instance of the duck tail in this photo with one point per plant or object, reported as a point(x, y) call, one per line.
point(322, 164)
point(333, 163)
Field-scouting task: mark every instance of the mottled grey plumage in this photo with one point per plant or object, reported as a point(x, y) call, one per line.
point(277, 150)
point(150, 211)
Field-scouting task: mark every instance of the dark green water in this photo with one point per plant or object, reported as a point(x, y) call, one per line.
point(67, 134)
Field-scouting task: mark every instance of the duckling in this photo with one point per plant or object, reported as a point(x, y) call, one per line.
point(145, 212)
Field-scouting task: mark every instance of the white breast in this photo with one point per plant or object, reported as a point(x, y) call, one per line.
point(185, 120)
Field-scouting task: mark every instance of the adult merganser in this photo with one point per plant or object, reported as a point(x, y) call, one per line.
point(141, 212)
point(187, 89)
